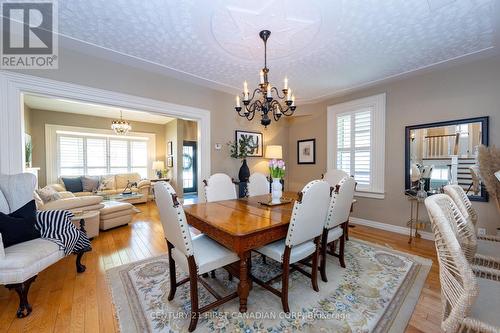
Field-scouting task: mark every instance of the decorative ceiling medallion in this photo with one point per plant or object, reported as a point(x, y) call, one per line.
point(235, 27)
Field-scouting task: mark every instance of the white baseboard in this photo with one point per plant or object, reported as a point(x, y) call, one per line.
point(389, 227)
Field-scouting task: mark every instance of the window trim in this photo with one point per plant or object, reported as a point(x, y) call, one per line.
point(51, 145)
point(377, 153)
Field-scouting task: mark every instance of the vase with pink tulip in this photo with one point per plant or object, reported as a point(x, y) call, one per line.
point(277, 171)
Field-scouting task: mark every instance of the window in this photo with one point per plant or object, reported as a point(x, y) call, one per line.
point(90, 154)
point(356, 139)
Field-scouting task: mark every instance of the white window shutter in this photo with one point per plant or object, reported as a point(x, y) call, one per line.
point(356, 142)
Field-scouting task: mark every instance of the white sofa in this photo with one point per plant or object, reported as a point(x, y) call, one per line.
point(20, 263)
point(115, 185)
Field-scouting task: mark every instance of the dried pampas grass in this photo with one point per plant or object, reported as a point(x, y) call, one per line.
point(489, 163)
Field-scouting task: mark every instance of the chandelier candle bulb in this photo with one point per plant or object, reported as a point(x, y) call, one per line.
point(237, 101)
point(293, 100)
point(245, 90)
point(269, 90)
point(285, 83)
point(261, 76)
point(289, 95)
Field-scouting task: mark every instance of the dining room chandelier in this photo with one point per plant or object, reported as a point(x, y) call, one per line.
point(120, 127)
point(266, 98)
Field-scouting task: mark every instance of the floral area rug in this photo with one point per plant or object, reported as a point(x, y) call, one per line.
point(376, 292)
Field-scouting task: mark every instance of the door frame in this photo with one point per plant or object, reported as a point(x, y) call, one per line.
point(14, 85)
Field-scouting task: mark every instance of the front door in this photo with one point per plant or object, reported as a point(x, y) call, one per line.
point(189, 167)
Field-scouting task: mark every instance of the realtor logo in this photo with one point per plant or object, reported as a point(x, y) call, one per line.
point(29, 35)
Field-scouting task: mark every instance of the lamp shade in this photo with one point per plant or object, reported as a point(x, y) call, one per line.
point(158, 165)
point(274, 151)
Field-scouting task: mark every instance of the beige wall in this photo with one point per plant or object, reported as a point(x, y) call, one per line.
point(463, 91)
point(190, 130)
point(98, 73)
point(39, 118)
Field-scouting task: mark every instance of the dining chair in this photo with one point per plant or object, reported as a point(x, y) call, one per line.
point(336, 222)
point(258, 184)
point(487, 247)
point(334, 176)
point(193, 255)
point(470, 300)
point(302, 240)
point(218, 187)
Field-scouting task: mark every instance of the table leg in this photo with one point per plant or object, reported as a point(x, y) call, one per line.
point(411, 222)
point(244, 284)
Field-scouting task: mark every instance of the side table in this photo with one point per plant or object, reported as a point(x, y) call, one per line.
point(415, 223)
point(89, 221)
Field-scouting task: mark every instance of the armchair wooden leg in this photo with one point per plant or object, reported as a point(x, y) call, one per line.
point(22, 290)
point(80, 268)
point(284, 279)
point(173, 278)
point(212, 274)
point(341, 249)
point(193, 282)
point(324, 245)
point(314, 273)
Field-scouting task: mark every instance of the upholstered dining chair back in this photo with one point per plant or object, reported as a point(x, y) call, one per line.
point(457, 193)
point(258, 184)
point(173, 218)
point(219, 187)
point(458, 284)
point(16, 191)
point(309, 213)
point(462, 228)
point(334, 176)
point(340, 203)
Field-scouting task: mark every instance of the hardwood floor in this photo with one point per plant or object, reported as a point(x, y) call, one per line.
point(64, 301)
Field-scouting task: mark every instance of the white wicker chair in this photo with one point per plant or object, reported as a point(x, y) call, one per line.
point(488, 246)
point(469, 303)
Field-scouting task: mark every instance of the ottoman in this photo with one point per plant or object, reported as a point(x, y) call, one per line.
point(115, 214)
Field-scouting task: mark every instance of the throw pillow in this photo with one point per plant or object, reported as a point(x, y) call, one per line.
point(73, 184)
point(107, 183)
point(90, 183)
point(19, 226)
point(48, 194)
point(58, 187)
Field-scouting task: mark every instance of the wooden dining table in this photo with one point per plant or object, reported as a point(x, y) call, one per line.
point(242, 225)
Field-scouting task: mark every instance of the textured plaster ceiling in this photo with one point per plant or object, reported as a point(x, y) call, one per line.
point(324, 47)
point(62, 105)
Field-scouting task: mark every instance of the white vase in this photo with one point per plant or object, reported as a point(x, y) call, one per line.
point(276, 191)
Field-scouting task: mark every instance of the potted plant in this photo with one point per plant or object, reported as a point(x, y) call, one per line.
point(241, 149)
point(277, 171)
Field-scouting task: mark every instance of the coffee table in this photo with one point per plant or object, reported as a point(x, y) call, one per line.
point(129, 197)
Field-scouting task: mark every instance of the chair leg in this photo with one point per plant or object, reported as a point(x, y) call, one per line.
point(22, 290)
point(212, 274)
point(173, 278)
point(229, 276)
point(341, 251)
point(284, 279)
point(322, 265)
point(193, 282)
point(314, 273)
point(264, 260)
